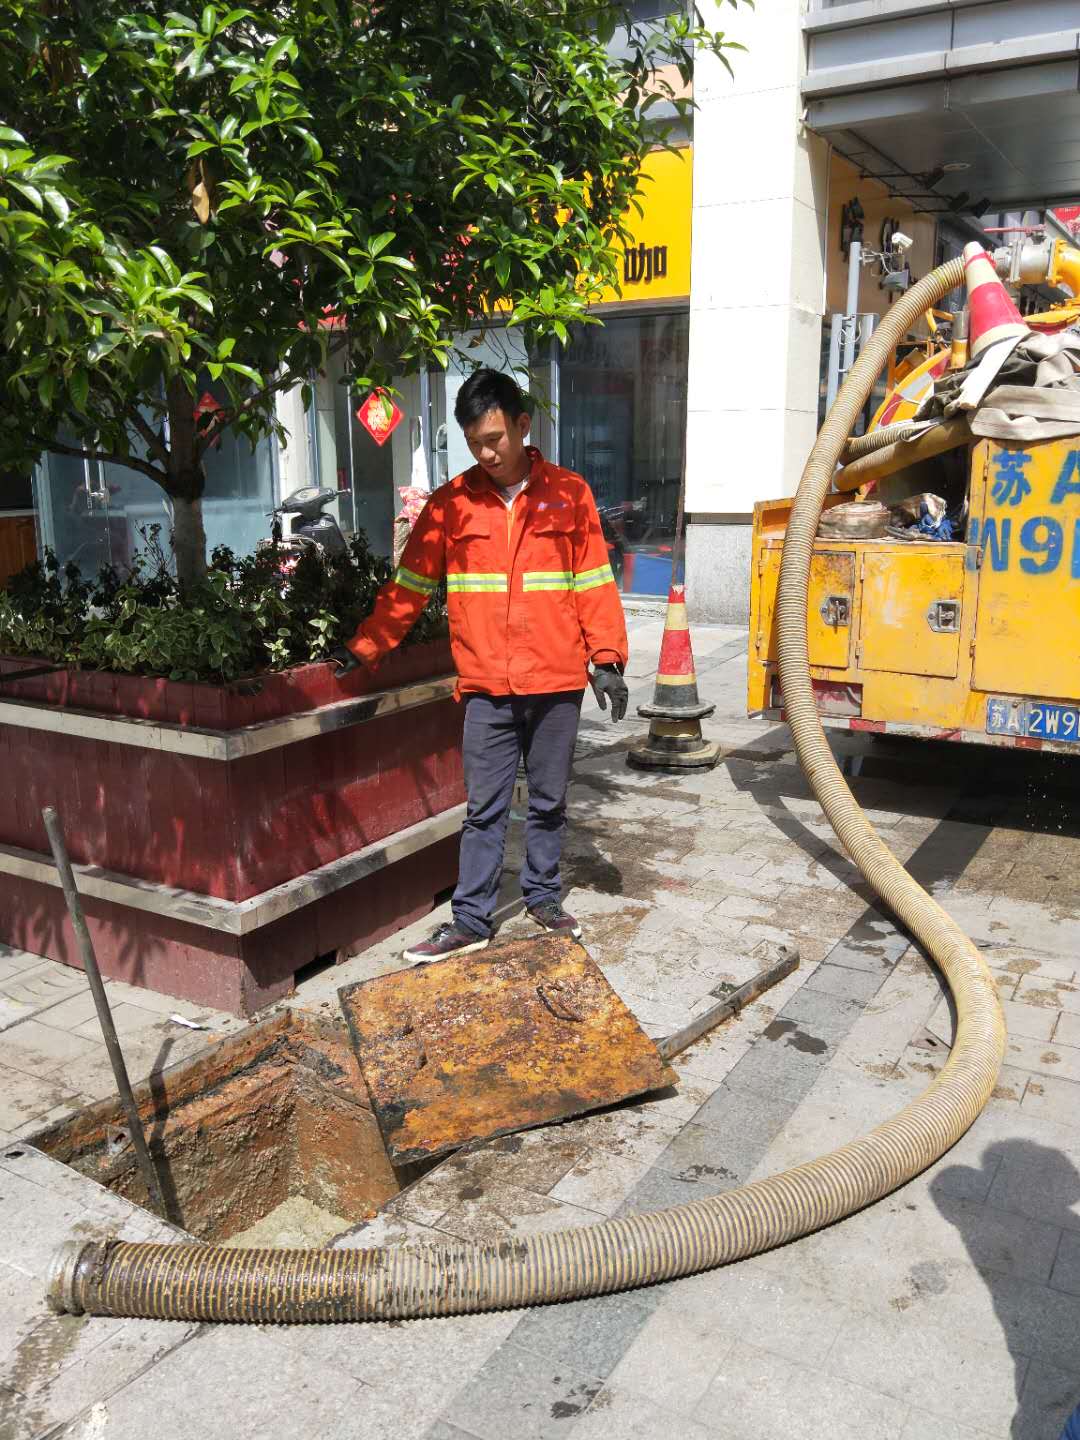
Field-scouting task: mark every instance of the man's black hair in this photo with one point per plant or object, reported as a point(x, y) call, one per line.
point(488, 390)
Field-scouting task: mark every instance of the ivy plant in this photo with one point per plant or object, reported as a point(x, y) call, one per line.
point(245, 616)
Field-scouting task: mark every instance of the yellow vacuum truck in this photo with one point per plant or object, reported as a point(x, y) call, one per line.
point(965, 631)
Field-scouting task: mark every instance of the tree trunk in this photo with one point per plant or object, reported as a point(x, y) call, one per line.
point(189, 541)
point(186, 484)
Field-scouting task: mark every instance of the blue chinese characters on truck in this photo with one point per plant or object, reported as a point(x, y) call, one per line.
point(1041, 542)
point(1011, 538)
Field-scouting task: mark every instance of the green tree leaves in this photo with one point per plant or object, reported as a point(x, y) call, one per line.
point(184, 192)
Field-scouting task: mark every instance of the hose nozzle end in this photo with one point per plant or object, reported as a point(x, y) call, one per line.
point(63, 1269)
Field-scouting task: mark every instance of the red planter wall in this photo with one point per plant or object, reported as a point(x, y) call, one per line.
point(230, 829)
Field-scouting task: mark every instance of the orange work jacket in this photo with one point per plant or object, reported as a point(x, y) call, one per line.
point(530, 592)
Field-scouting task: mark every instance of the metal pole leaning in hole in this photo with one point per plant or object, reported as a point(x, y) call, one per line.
point(101, 1004)
point(675, 1043)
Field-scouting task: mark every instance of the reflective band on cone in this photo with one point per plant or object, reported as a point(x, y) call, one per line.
point(675, 741)
point(992, 314)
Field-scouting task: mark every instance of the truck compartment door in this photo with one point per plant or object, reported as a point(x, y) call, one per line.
point(909, 615)
point(831, 607)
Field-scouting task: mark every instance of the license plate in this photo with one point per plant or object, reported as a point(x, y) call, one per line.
point(1033, 719)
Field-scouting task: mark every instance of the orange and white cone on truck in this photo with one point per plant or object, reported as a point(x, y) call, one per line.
point(675, 741)
point(992, 315)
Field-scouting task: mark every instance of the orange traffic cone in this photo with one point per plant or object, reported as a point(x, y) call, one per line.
point(992, 315)
point(675, 741)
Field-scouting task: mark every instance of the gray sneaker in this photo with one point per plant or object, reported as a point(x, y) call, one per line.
point(449, 939)
point(550, 915)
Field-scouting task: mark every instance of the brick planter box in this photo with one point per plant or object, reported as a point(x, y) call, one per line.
point(226, 836)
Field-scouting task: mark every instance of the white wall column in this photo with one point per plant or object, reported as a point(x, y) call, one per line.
point(295, 462)
point(756, 301)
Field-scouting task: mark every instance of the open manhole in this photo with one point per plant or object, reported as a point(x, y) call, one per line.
point(266, 1138)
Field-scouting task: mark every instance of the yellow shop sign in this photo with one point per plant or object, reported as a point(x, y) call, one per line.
point(655, 263)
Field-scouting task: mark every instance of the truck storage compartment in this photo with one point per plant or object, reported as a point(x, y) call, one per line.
point(829, 613)
point(910, 609)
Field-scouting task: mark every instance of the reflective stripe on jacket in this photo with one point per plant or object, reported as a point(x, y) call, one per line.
point(531, 595)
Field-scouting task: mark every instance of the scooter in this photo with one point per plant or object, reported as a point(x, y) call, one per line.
point(313, 529)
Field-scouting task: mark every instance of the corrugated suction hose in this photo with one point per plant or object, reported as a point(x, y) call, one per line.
point(206, 1282)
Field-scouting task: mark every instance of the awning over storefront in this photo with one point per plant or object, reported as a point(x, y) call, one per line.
point(961, 106)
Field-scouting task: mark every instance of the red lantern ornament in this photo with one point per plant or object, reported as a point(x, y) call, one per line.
point(379, 416)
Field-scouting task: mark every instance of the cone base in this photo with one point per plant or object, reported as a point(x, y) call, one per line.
point(672, 712)
point(643, 757)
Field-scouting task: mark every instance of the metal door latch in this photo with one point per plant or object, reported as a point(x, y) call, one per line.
point(836, 611)
point(943, 617)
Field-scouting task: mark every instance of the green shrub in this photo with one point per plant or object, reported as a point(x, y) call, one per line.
point(248, 616)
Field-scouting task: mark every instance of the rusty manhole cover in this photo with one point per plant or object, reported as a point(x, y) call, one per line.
point(475, 1046)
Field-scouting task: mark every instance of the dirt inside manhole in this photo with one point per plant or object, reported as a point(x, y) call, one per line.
point(266, 1138)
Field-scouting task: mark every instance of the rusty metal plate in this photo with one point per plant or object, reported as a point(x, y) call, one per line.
point(518, 1035)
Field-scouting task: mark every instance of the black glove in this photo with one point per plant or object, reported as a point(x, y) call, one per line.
point(608, 684)
point(344, 659)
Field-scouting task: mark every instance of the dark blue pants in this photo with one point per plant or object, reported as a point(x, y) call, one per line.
point(499, 729)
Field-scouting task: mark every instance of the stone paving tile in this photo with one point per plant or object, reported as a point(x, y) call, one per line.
point(30, 991)
point(518, 1393)
point(24, 1098)
point(590, 1335)
point(58, 1365)
point(902, 1356)
point(674, 1358)
point(13, 1012)
point(764, 1304)
point(1051, 994)
point(74, 1011)
point(659, 1189)
point(129, 1020)
point(1040, 965)
point(875, 953)
point(600, 1181)
point(1034, 1022)
point(698, 1152)
point(1066, 1272)
point(494, 1211)
point(832, 979)
point(1053, 1099)
point(1048, 1398)
point(1002, 1240)
point(619, 1414)
point(162, 1004)
point(417, 1363)
point(38, 1049)
point(921, 1425)
point(51, 1117)
point(711, 1059)
point(233, 1380)
point(786, 1070)
point(758, 1396)
point(1044, 1057)
point(70, 1363)
point(13, 961)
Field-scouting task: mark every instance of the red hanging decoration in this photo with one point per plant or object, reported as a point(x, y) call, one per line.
point(379, 416)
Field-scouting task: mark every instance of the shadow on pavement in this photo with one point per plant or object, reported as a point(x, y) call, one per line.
point(1040, 1322)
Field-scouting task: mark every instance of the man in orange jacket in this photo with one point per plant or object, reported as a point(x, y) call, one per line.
point(531, 601)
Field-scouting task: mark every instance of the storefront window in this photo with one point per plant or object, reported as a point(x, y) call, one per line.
point(92, 514)
point(622, 425)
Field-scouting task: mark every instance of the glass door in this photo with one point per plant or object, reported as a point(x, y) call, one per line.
point(622, 425)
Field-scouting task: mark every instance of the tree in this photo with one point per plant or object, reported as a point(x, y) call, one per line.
point(235, 192)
